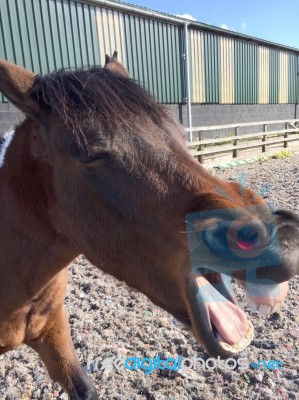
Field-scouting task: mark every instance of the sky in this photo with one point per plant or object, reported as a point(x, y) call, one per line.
point(273, 20)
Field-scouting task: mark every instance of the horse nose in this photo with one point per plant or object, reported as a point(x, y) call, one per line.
point(287, 216)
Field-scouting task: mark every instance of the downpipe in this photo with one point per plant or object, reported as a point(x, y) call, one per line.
point(188, 80)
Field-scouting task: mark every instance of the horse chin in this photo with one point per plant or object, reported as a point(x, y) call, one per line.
point(217, 321)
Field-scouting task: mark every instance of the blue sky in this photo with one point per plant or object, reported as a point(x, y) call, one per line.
point(274, 20)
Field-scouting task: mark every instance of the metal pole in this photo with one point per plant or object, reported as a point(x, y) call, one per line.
point(188, 86)
point(297, 94)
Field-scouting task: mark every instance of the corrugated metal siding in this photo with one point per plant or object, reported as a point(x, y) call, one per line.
point(283, 78)
point(197, 67)
point(212, 67)
point(153, 52)
point(246, 77)
point(263, 75)
point(293, 78)
point(45, 35)
point(50, 34)
point(274, 72)
point(227, 92)
point(111, 34)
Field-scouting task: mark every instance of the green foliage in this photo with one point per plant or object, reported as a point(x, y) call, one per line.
point(282, 154)
point(277, 156)
point(264, 159)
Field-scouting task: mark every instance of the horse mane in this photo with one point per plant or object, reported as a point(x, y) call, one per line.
point(89, 97)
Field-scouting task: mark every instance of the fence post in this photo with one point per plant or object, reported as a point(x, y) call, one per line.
point(235, 152)
point(200, 147)
point(285, 144)
point(265, 127)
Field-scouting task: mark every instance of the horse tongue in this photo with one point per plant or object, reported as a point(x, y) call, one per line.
point(229, 320)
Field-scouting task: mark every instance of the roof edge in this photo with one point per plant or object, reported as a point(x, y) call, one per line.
point(142, 11)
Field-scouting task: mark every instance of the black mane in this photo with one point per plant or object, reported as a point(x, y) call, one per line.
point(98, 95)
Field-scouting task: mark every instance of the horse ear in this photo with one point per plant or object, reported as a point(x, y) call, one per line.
point(115, 55)
point(15, 84)
point(107, 59)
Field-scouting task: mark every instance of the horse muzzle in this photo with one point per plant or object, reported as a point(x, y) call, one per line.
point(262, 254)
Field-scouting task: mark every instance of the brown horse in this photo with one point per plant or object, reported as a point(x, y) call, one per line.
point(114, 65)
point(99, 168)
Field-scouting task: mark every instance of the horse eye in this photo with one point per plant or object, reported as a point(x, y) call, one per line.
point(99, 156)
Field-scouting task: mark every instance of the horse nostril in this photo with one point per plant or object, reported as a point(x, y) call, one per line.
point(247, 238)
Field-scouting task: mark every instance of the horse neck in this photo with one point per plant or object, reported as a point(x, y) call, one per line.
point(29, 244)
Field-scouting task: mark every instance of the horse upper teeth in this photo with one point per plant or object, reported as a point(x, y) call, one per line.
point(251, 304)
point(276, 307)
point(264, 309)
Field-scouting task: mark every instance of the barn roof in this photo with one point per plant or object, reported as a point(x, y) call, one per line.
point(146, 12)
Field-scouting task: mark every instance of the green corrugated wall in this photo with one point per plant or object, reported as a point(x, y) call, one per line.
point(45, 35)
point(211, 67)
point(246, 76)
point(153, 55)
point(233, 71)
point(293, 78)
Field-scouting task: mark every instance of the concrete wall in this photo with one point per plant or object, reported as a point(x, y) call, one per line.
point(202, 115)
point(218, 114)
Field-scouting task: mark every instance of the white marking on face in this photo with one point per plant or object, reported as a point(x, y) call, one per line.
point(4, 144)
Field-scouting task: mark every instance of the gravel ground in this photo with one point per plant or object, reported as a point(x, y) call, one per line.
point(109, 319)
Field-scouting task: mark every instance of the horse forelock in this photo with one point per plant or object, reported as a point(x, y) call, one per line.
point(98, 97)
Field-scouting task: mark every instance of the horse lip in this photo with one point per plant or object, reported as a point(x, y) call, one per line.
point(287, 216)
point(202, 323)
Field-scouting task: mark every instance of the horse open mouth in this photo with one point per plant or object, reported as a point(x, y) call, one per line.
point(228, 323)
point(222, 324)
point(246, 248)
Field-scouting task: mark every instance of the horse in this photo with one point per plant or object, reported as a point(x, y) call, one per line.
point(114, 65)
point(99, 168)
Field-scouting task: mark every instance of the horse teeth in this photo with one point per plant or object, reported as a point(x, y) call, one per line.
point(251, 304)
point(276, 307)
point(264, 309)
